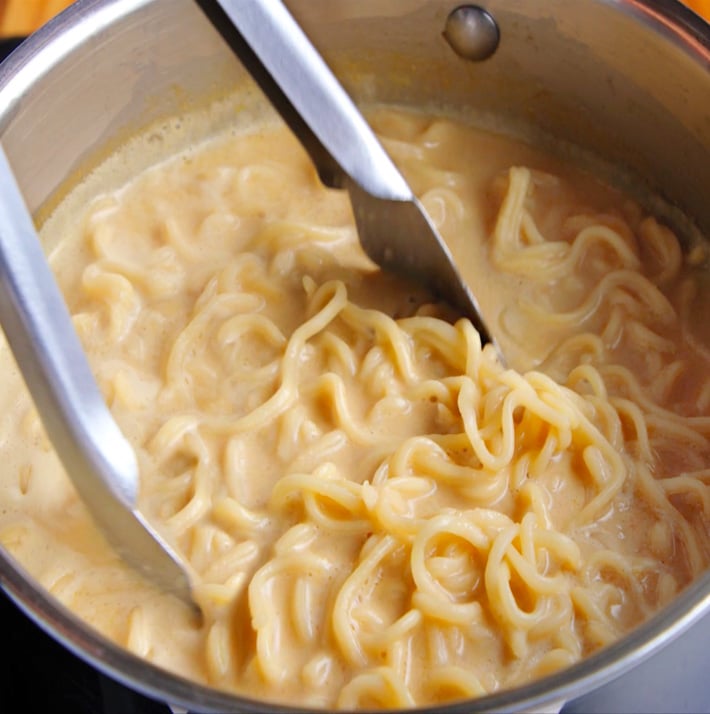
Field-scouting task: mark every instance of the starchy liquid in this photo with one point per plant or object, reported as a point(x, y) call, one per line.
point(377, 512)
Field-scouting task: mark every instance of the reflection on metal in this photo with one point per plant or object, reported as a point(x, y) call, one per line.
point(472, 33)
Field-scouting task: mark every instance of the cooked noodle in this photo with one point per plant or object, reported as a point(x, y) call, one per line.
point(376, 510)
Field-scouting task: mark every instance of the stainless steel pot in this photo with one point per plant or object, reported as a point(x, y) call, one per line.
point(626, 80)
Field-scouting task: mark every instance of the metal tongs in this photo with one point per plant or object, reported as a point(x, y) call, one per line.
point(95, 454)
point(392, 225)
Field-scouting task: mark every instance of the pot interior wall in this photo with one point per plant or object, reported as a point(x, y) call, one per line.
point(612, 78)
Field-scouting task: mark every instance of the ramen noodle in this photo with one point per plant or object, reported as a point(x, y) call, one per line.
point(377, 511)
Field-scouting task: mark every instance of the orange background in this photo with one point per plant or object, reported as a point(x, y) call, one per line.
point(702, 7)
point(21, 17)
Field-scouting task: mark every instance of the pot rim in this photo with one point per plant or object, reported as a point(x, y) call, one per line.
point(35, 58)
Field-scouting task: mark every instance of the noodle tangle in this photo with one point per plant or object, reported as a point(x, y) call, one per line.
point(377, 511)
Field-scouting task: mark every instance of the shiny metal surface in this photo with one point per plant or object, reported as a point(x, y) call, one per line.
point(472, 32)
point(108, 68)
point(96, 455)
point(672, 679)
point(393, 227)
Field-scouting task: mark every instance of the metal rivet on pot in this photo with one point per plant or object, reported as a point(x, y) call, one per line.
point(472, 32)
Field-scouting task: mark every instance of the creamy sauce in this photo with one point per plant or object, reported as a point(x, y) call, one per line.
point(376, 511)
